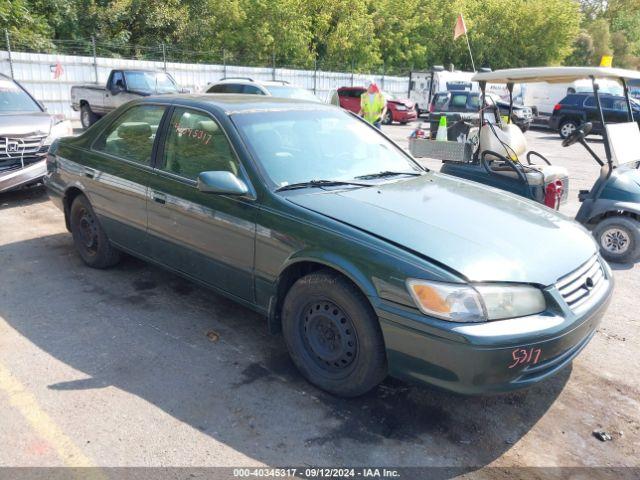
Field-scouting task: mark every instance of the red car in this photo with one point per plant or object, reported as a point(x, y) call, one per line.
point(400, 110)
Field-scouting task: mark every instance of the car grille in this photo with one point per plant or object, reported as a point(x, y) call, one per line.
point(16, 152)
point(580, 286)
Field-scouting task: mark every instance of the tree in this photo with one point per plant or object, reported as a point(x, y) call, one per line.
point(27, 29)
point(583, 51)
point(599, 31)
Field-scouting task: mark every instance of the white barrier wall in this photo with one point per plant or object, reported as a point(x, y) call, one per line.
point(36, 72)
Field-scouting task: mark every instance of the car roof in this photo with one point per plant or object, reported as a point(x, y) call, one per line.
point(231, 103)
point(250, 81)
point(553, 74)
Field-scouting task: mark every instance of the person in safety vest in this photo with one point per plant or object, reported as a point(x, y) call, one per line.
point(373, 106)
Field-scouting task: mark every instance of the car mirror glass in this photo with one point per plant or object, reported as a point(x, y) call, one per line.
point(221, 183)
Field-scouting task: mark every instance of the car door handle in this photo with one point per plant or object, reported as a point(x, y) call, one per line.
point(89, 172)
point(160, 198)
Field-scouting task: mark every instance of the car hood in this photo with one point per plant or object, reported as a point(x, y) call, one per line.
point(25, 124)
point(402, 101)
point(480, 232)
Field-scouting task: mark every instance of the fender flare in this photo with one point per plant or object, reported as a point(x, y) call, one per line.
point(606, 207)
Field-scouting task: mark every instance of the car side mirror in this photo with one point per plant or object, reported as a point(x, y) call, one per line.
point(222, 183)
point(117, 87)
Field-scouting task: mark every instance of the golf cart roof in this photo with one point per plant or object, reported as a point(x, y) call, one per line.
point(553, 74)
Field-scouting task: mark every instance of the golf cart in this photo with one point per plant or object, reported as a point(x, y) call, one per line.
point(500, 158)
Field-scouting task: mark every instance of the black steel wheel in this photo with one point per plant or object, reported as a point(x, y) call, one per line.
point(89, 238)
point(388, 118)
point(329, 334)
point(333, 334)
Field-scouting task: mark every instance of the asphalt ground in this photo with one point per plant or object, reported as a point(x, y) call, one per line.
point(136, 367)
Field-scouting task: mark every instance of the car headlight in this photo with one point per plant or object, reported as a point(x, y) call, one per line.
point(458, 302)
point(61, 128)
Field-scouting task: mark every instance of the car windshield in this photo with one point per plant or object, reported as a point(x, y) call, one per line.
point(302, 145)
point(292, 92)
point(13, 99)
point(156, 82)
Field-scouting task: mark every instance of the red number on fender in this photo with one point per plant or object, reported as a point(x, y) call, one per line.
point(522, 356)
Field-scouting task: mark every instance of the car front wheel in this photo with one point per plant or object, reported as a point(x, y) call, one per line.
point(388, 118)
point(566, 128)
point(333, 335)
point(619, 239)
point(89, 238)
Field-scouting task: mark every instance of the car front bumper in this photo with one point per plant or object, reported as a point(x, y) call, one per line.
point(22, 176)
point(489, 357)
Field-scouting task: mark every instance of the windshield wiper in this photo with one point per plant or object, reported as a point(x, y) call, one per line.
point(320, 183)
point(387, 173)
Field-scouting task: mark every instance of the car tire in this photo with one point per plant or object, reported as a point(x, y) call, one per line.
point(388, 118)
point(619, 239)
point(333, 335)
point(566, 128)
point(89, 238)
point(524, 128)
point(87, 117)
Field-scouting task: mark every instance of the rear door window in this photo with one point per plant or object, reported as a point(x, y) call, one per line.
point(132, 135)
point(195, 143)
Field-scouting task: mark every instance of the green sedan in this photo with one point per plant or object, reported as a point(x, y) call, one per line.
point(367, 263)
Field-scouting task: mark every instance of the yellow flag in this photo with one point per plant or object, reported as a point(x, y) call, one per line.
point(606, 61)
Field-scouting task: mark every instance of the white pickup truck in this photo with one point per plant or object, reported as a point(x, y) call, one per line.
point(94, 101)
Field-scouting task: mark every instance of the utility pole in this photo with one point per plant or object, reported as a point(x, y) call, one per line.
point(315, 74)
point(224, 63)
point(6, 36)
point(95, 57)
point(273, 65)
point(164, 57)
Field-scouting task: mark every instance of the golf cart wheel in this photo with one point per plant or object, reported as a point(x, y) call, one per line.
point(618, 239)
point(89, 238)
point(333, 334)
point(566, 128)
point(388, 118)
point(87, 117)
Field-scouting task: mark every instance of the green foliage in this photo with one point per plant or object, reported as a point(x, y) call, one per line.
point(25, 26)
point(393, 36)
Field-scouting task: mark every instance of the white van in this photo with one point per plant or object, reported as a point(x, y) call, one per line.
point(423, 85)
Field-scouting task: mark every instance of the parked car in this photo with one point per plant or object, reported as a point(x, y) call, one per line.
point(26, 131)
point(94, 101)
point(369, 264)
point(275, 88)
point(401, 110)
point(578, 108)
point(468, 103)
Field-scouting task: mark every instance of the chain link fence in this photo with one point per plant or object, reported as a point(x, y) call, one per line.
point(49, 72)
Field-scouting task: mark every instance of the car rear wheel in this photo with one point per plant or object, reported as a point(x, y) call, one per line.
point(388, 118)
point(89, 238)
point(566, 128)
point(87, 117)
point(619, 239)
point(333, 335)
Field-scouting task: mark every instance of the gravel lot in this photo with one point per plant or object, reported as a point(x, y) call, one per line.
point(134, 366)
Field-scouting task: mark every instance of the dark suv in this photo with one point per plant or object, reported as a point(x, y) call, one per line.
point(467, 104)
point(578, 108)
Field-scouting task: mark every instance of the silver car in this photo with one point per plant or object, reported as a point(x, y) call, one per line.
point(26, 132)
